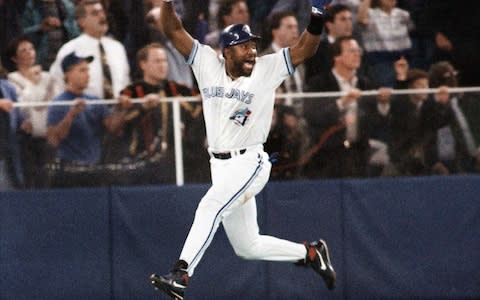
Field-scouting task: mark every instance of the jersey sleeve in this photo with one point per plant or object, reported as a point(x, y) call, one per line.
point(204, 61)
point(276, 67)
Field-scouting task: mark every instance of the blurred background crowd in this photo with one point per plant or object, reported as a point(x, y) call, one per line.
point(67, 52)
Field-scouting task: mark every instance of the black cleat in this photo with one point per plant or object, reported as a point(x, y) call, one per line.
point(319, 259)
point(173, 283)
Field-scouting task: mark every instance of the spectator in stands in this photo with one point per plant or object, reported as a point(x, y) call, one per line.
point(32, 85)
point(301, 8)
point(229, 12)
point(147, 138)
point(284, 33)
point(449, 144)
point(385, 36)
point(179, 71)
point(406, 151)
point(49, 24)
point(338, 23)
point(109, 72)
point(338, 127)
point(76, 130)
point(11, 173)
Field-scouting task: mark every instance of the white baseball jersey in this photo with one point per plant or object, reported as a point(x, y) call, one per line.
point(238, 113)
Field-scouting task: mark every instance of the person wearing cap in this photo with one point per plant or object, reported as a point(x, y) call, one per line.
point(76, 130)
point(238, 95)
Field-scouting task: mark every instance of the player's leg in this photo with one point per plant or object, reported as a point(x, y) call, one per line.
point(230, 181)
point(241, 227)
point(242, 230)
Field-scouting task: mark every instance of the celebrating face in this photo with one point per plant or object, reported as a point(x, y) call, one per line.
point(242, 58)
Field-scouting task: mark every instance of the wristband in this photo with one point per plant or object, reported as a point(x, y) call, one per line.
point(315, 26)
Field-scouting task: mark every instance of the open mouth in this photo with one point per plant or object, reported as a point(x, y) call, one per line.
point(249, 63)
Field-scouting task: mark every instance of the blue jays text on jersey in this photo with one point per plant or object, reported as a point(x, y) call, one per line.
point(234, 93)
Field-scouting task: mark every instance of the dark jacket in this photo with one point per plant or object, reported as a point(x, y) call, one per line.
point(333, 157)
point(436, 116)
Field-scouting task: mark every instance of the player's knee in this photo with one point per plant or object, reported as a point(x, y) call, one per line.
point(209, 203)
point(244, 253)
point(249, 253)
point(208, 206)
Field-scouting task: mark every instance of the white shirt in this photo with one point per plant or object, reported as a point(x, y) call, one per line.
point(343, 83)
point(45, 90)
point(351, 109)
point(387, 32)
point(238, 113)
point(85, 45)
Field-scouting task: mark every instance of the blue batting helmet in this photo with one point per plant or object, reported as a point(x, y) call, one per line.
point(236, 34)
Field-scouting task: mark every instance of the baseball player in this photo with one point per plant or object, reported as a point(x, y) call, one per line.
point(238, 95)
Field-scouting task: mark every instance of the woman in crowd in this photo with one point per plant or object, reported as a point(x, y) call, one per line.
point(32, 85)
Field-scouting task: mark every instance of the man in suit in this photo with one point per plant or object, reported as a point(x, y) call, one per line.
point(339, 127)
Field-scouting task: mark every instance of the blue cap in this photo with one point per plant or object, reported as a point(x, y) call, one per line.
point(236, 34)
point(72, 59)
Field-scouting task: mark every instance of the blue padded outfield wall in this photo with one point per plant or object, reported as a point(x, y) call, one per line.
point(415, 238)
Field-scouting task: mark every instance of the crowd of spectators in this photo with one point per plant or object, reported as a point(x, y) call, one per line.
point(71, 51)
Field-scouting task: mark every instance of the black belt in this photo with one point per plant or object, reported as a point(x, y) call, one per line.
point(226, 155)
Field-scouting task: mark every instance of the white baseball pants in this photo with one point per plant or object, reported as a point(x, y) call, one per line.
point(231, 201)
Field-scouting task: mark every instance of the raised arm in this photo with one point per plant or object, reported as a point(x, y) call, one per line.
point(174, 30)
point(310, 39)
point(362, 16)
point(305, 47)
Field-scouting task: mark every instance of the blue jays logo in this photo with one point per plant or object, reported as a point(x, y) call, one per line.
point(240, 117)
